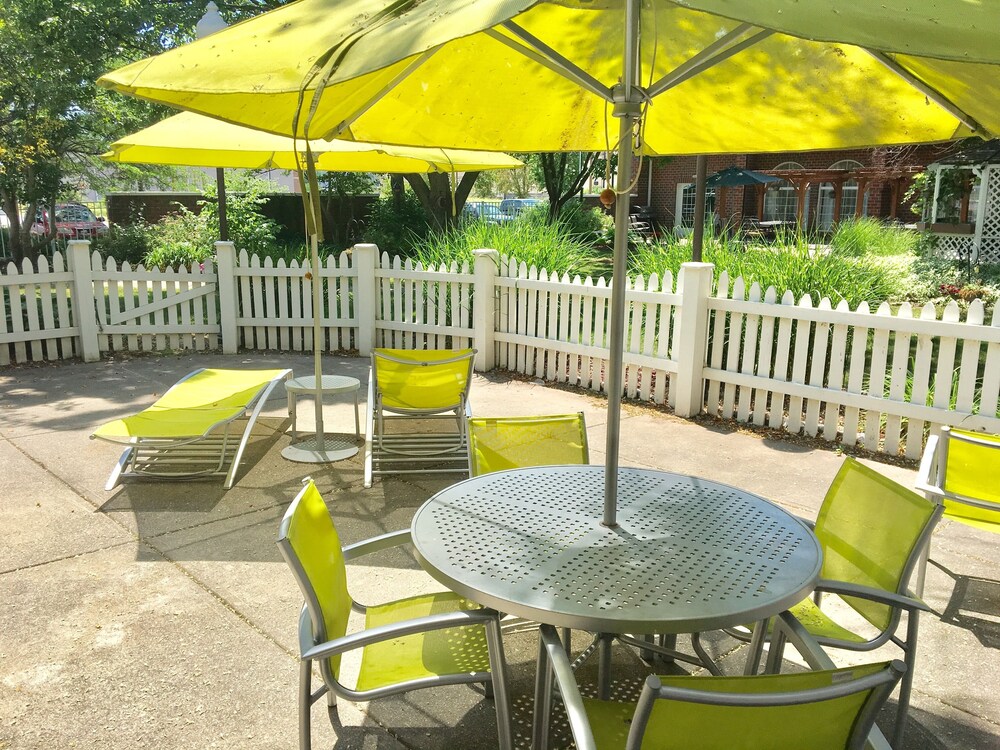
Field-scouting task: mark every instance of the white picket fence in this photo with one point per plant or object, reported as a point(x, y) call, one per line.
point(558, 329)
point(882, 380)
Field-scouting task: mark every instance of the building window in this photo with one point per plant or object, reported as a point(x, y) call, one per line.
point(781, 201)
point(684, 207)
point(848, 198)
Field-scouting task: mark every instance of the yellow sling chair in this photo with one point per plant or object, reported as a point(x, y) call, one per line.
point(418, 642)
point(417, 387)
point(187, 432)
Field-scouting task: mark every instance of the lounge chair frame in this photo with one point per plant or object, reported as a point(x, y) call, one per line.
point(419, 452)
point(169, 458)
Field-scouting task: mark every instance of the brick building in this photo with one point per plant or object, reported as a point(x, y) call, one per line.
point(818, 184)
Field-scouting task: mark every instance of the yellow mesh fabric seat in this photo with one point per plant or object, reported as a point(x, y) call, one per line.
point(496, 444)
point(960, 470)
point(422, 641)
point(831, 709)
point(186, 432)
point(418, 402)
point(872, 531)
point(414, 657)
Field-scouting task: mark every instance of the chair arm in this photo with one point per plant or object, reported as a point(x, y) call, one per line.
point(842, 588)
point(970, 501)
point(927, 473)
point(376, 544)
point(579, 725)
point(440, 621)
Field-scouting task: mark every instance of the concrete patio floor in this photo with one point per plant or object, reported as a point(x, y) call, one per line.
point(161, 614)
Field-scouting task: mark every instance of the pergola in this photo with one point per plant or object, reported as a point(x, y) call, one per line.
point(801, 179)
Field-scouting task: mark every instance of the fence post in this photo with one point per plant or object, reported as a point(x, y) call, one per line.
point(84, 315)
point(229, 302)
point(365, 258)
point(484, 308)
point(694, 285)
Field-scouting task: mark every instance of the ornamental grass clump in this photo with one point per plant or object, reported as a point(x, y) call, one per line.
point(531, 241)
point(793, 264)
point(867, 236)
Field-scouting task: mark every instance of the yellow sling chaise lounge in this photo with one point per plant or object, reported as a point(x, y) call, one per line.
point(187, 432)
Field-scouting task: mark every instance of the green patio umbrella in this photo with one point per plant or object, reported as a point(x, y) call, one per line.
point(738, 177)
point(684, 77)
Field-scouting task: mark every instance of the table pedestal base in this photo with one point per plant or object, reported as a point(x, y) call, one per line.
point(327, 450)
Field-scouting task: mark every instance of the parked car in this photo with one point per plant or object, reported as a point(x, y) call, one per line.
point(74, 221)
point(488, 212)
point(4, 221)
point(514, 206)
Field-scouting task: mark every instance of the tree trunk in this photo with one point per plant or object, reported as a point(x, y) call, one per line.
point(554, 168)
point(435, 196)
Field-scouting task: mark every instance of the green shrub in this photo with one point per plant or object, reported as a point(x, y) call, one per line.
point(397, 231)
point(125, 242)
point(181, 239)
point(249, 229)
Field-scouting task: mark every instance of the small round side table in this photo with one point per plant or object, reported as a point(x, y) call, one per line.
point(322, 448)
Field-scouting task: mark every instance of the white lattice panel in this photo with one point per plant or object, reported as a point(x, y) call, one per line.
point(954, 246)
point(989, 231)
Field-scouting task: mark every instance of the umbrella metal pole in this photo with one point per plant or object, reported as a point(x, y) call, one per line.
point(317, 293)
point(220, 185)
point(701, 174)
point(628, 109)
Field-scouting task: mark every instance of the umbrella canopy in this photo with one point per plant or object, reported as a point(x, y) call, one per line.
point(679, 76)
point(715, 84)
point(194, 140)
point(736, 177)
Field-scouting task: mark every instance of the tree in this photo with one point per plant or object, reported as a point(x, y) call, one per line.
point(517, 183)
point(434, 192)
point(54, 120)
point(564, 175)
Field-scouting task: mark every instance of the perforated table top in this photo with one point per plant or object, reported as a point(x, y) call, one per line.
point(688, 554)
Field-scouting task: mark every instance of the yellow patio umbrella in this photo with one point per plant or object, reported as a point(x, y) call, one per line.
point(680, 77)
point(194, 140)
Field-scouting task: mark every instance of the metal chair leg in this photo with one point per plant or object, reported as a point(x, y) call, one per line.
point(906, 684)
point(305, 705)
point(706, 660)
point(756, 648)
point(501, 694)
point(775, 652)
point(543, 699)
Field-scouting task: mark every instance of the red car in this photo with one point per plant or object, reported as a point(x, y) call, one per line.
point(73, 222)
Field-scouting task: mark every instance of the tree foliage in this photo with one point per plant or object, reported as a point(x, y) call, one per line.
point(54, 120)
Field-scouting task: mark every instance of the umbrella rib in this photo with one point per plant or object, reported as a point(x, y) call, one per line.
point(537, 50)
point(931, 93)
point(380, 94)
point(709, 58)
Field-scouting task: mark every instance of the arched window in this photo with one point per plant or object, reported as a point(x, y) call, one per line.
point(780, 200)
point(848, 198)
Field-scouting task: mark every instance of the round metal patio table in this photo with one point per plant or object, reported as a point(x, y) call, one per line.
point(688, 554)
